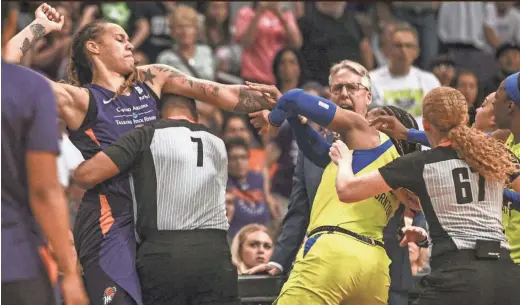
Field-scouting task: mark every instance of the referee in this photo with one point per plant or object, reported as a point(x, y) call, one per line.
point(178, 183)
point(460, 182)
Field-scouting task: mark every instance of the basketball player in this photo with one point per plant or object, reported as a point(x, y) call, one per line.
point(460, 183)
point(343, 259)
point(178, 180)
point(109, 97)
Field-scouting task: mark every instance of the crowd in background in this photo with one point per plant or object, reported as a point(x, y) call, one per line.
point(409, 47)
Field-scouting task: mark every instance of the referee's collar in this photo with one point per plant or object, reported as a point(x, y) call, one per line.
point(181, 117)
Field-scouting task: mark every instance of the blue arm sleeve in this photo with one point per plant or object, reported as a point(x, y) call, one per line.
point(513, 197)
point(296, 101)
point(313, 145)
point(417, 136)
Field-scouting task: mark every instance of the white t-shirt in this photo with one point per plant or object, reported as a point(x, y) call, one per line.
point(506, 27)
point(406, 92)
point(69, 159)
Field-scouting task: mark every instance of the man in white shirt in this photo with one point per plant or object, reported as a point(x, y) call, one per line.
point(502, 23)
point(399, 83)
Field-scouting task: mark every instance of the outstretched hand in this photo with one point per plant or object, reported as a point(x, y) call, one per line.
point(260, 120)
point(391, 126)
point(48, 17)
point(269, 91)
point(339, 152)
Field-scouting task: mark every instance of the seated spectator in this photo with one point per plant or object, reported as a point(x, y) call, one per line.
point(508, 57)
point(251, 247)
point(156, 13)
point(502, 23)
point(467, 84)
point(400, 83)
point(216, 31)
point(245, 202)
point(443, 67)
point(263, 29)
point(187, 55)
point(382, 42)
point(237, 126)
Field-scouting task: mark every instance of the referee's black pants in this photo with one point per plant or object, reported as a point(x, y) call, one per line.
point(187, 267)
point(459, 278)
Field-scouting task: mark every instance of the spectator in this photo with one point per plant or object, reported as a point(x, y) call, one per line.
point(461, 33)
point(245, 202)
point(443, 67)
point(508, 57)
point(382, 42)
point(216, 31)
point(467, 84)
point(423, 17)
point(502, 23)
point(251, 246)
point(50, 53)
point(121, 13)
point(400, 83)
point(330, 35)
point(187, 55)
point(236, 126)
point(156, 13)
point(262, 30)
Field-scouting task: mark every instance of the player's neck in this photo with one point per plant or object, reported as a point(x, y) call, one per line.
point(107, 79)
point(515, 130)
point(177, 114)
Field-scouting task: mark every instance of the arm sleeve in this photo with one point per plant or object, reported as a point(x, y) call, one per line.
point(127, 149)
point(313, 145)
point(405, 171)
point(513, 197)
point(417, 136)
point(42, 133)
point(295, 221)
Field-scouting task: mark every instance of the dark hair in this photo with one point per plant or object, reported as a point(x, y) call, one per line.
point(80, 67)
point(403, 147)
point(179, 101)
point(236, 142)
point(211, 23)
point(312, 85)
point(301, 62)
point(230, 117)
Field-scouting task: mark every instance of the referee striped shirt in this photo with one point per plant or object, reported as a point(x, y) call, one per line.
point(460, 206)
point(178, 176)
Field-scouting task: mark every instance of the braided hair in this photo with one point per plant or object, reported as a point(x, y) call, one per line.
point(403, 147)
point(79, 67)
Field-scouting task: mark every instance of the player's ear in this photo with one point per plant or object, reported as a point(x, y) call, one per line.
point(92, 47)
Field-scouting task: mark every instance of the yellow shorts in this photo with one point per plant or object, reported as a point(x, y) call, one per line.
point(335, 268)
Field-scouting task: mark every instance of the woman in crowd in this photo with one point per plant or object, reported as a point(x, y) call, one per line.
point(460, 184)
point(262, 30)
point(186, 54)
point(467, 84)
point(251, 246)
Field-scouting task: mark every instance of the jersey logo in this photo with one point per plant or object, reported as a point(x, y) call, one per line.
point(107, 102)
point(109, 294)
point(138, 89)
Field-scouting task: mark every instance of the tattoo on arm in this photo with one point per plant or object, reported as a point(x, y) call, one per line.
point(38, 32)
point(249, 102)
point(207, 89)
point(148, 76)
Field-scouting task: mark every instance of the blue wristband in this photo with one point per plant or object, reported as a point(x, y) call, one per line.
point(417, 136)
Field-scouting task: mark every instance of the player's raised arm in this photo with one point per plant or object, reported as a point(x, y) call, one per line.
point(238, 98)
point(72, 101)
point(47, 20)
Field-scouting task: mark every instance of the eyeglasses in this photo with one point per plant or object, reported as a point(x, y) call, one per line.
point(351, 88)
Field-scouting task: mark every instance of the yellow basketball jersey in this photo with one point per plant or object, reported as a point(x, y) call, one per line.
point(511, 217)
point(367, 217)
